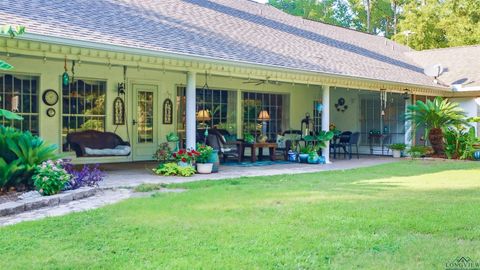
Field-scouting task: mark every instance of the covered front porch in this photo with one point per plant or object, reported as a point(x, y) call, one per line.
point(142, 99)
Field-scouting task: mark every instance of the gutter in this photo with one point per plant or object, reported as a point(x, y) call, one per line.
point(460, 88)
point(192, 57)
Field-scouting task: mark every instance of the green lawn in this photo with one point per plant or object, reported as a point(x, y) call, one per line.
point(406, 215)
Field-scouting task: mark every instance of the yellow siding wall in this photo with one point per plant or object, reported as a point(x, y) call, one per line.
point(301, 96)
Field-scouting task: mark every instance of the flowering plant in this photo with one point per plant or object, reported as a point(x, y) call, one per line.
point(163, 152)
point(87, 176)
point(50, 177)
point(204, 153)
point(185, 155)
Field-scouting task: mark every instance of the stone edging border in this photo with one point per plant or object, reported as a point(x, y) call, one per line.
point(16, 207)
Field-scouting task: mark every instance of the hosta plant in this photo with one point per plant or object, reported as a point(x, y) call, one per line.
point(172, 169)
point(50, 177)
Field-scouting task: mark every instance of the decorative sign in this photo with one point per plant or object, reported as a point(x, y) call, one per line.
point(118, 111)
point(341, 106)
point(167, 112)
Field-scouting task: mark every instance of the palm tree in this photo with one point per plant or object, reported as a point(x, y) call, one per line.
point(435, 116)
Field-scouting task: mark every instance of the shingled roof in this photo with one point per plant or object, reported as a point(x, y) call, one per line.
point(233, 30)
point(461, 64)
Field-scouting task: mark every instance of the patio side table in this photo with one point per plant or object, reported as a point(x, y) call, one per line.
point(253, 146)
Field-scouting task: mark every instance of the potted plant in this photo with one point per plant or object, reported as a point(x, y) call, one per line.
point(292, 154)
point(249, 138)
point(304, 153)
point(163, 153)
point(313, 157)
point(185, 157)
point(203, 164)
point(397, 149)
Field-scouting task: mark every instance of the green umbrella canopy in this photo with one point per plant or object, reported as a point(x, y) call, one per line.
point(10, 115)
point(5, 66)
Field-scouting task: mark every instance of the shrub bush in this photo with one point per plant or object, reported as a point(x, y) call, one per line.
point(459, 142)
point(418, 151)
point(50, 177)
point(20, 153)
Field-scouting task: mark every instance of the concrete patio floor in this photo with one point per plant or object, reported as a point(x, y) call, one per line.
point(136, 173)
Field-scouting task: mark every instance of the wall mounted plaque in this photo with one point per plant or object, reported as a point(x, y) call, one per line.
point(167, 112)
point(118, 111)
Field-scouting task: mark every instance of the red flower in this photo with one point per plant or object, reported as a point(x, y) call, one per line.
point(174, 155)
point(184, 160)
point(190, 154)
point(181, 151)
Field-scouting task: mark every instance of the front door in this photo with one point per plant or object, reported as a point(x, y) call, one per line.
point(144, 121)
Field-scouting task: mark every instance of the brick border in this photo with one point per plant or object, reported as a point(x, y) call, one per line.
point(17, 207)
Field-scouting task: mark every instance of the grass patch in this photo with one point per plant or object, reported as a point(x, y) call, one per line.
point(149, 187)
point(405, 215)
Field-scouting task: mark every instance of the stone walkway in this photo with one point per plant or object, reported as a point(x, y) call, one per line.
point(102, 198)
point(122, 177)
point(134, 174)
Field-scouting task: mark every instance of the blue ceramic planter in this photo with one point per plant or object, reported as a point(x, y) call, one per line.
point(292, 156)
point(303, 158)
point(476, 155)
point(313, 159)
point(213, 158)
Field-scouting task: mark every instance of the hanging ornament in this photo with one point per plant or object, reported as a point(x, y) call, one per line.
point(65, 77)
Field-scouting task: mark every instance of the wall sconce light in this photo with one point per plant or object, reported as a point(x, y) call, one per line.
point(121, 89)
point(406, 94)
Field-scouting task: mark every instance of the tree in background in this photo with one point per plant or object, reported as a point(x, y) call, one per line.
point(421, 24)
point(440, 24)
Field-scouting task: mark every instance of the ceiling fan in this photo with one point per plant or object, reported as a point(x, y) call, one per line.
point(260, 81)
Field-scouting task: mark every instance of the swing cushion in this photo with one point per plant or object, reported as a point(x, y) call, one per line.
point(120, 150)
point(98, 143)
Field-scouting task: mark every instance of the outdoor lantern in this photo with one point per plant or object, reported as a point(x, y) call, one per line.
point(263, 116)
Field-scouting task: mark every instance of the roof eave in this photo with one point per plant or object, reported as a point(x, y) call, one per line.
point(190, 57)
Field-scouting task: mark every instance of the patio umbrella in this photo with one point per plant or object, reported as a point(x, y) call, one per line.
point(10, 115)
point(5, 66)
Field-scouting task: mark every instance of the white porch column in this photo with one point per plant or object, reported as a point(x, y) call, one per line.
point(409, 136)
point(190, 113)
point(326, 119)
